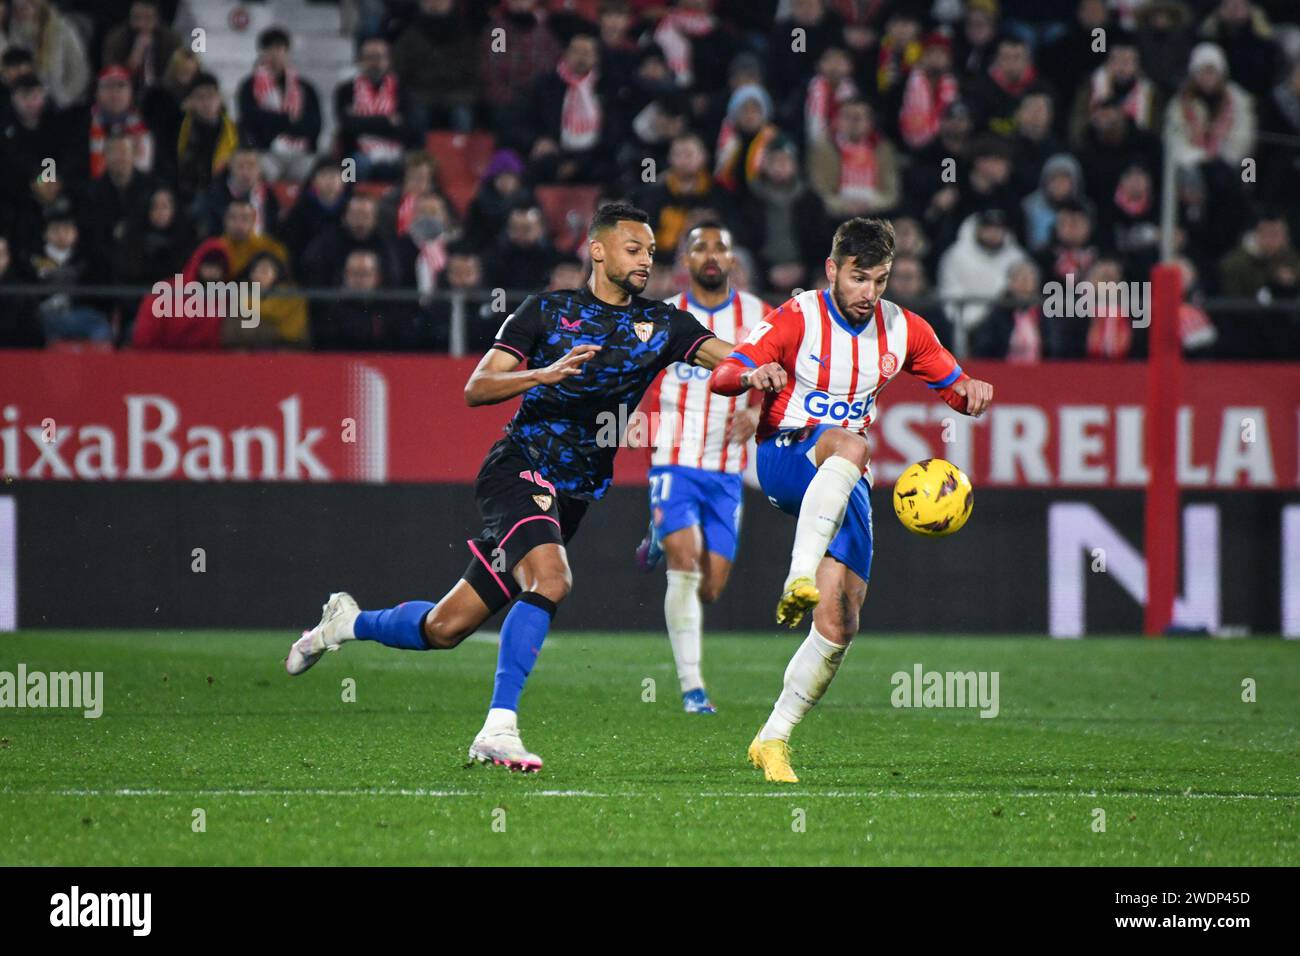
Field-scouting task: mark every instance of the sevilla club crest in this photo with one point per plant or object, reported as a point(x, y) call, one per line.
point(643, 330)
point(888, 364)
point(543, 502)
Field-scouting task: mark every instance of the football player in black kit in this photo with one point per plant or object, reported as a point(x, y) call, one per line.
point(578, 357)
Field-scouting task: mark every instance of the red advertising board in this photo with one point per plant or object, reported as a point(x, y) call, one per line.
point(384, 418)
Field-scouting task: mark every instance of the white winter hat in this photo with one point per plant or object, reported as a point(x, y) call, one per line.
point(1208, 54)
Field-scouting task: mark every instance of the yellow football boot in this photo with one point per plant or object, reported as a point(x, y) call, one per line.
point(773, 758)
point(800, 597)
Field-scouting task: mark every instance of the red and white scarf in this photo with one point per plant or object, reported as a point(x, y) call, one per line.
point(1012, 87)
point(381, 100)
point(430, 262)
point(858, 172)
point(405, 213)
point(673, 35)
point(268, 96)
point(580, 115)
point(924, 102)
point(130, 125)
point(823, 102)
point(1204, 130)
point(1026, 343)
point(1136, 103)
point(1109, 335)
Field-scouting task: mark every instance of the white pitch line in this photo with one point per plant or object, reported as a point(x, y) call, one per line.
point(708, 795)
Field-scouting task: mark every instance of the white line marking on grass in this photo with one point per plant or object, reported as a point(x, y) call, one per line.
point(629, 795)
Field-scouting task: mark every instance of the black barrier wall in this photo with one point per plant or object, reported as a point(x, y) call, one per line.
point(122, 554)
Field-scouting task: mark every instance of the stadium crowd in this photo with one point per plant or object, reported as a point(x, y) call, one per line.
point(1010, 141)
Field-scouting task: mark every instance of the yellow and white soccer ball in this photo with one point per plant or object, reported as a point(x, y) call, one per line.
point(933, 498)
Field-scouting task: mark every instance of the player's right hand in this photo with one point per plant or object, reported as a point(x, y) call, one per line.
point(569, 365)
point(768, 378)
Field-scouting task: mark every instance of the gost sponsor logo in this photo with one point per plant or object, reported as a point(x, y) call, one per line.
point(820, 405)
point(686, 372)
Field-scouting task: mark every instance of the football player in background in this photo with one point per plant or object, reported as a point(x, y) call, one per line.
point(700, 452)
point(823, 358)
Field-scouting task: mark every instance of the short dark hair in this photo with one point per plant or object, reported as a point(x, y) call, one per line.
point(28, 81)
point(16, 56)
point(273, 36)
point(204, 79)
point(612, 213)
point(707, 224)
point(869, 241)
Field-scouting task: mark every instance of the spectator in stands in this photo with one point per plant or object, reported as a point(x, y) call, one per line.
point(791, 66)
point(1242, 31)
point(464, 273)
point(501, 190)
point(15, 61)
point(996, 95)
point(1075, 54)
point(143, 45)
point(1265, 261)
point(1112, 144)
point(61, 60)
point(619, 54)
point(360, 324)
point(930, 184)
point(317, 211)
point(909, 287)
point(157, 326)
point(899, 51)
point(33, 136)
point(986, 186)
point(1072, 249)
point(158, 242)
point(743, 139)
point(279, 111)
point(696, 46)
point(207, 138)
point(397, 207)
point(977, 43)
point(422, 248)
point(242, 180)
point(282, 317)
point(516, 48)
point(784, 224)
point(1061, 182)
point(112, 114)
point(437, 62)
point(856, 173)
point(1015, 329)
point(1279, 161)
point(1119, 79)
point(1034, 141)
point(60, 264)
point(1199, 334)
point(1165, 39)
point(569, 273)
point(931, 88)
point(110, 201)
point(1211, 118)
point(43, 196)
point(1110, 327)
point(241, 238)
point(163, 109)
point(564, 118)
point(523, 257)
point(1130, 222)
point(374, 115)
point(325, 256)
point(975, 266)
point(19, 327)
point(686, 185)
point(827, 92)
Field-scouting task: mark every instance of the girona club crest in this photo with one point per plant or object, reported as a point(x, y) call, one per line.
point(888, 364)
point(643, 330)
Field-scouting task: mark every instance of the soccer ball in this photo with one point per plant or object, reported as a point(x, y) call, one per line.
point(933, 498)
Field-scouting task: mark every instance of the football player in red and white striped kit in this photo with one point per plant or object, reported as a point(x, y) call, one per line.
point(700, 452)
point(821, 359)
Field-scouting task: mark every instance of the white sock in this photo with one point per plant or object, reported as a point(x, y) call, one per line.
point(806, 679)
point(821, 514)
point(684, 615)
point(499, 720)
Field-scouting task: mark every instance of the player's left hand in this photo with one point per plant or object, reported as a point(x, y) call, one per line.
point(978, 395)
point(743, 425)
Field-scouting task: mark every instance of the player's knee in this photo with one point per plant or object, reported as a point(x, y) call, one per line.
point(853, 447)
point(554, 584)
point(711, 590)
point(442, 632)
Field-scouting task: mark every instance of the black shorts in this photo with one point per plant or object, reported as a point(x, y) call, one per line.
point(520, 511)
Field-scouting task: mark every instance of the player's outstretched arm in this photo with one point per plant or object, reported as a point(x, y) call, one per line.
point(977, 394)
point(733, 377)
point(711, 353)
point(498, 377)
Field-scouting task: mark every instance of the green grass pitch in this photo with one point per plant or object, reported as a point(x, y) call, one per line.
point(1154, 733)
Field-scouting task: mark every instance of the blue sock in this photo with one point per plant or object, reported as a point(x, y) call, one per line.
point(401, 626)
point(522, 635)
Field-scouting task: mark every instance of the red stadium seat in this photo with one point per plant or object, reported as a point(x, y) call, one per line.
point(568, 210)
point(462, 159)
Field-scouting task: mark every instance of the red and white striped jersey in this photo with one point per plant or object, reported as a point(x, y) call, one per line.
point(835, 371)
point(691, 424)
